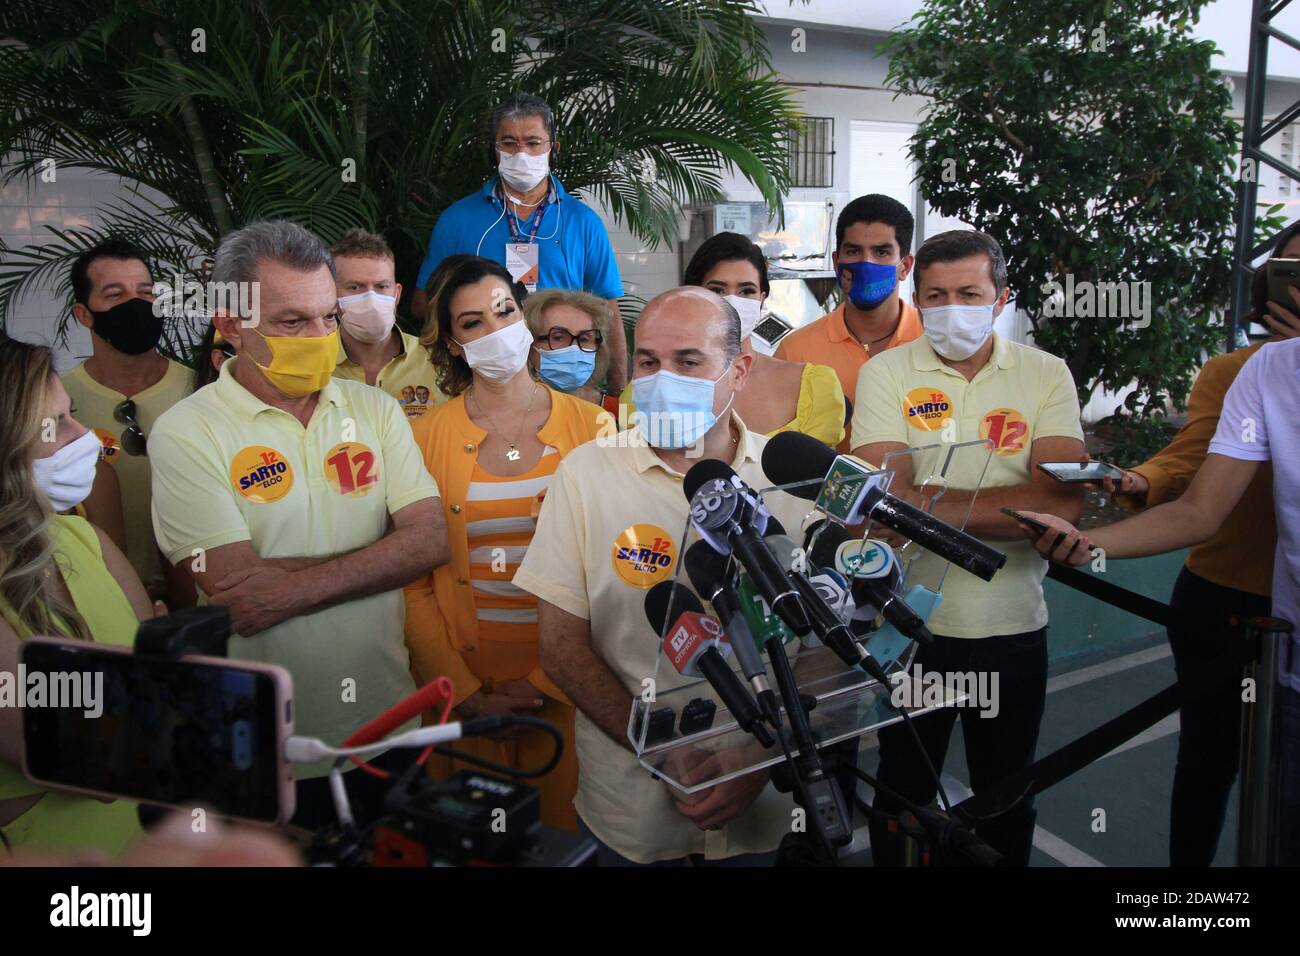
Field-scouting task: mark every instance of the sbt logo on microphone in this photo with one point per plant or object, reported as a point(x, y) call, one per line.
point(970, 688)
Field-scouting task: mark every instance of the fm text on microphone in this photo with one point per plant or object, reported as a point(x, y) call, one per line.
point(791, 457)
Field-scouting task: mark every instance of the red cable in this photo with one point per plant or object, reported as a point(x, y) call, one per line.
point(423, 699)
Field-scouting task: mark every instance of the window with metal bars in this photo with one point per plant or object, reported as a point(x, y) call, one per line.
point(812, 152)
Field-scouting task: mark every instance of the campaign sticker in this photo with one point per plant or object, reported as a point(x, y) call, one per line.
point(643, 555)
point(111, 448)
point(260, 474)
point(1007, 429)
point(416, 400)
point(350, 469)
point(927, 409)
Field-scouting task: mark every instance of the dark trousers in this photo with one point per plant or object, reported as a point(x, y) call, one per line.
point(1289, 798)
point(315, 806)
point(996, 747)
point(1209, 740)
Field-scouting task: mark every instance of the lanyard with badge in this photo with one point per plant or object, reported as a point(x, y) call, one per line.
point(522, 256)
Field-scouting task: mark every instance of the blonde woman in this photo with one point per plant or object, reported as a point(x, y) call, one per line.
point(59, 576)
point(493, 448)
point(569, 351)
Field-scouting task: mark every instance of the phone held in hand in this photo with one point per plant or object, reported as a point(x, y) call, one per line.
point(1072, 472)
point(1035, 524)
point(195, 731)
point(1283, 274)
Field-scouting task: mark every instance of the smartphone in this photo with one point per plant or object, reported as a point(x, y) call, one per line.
point(1028, 522)
point(1035, 524)
point(772, 330)
point(1282, 274)
point(1073, 471)
point(196, 731)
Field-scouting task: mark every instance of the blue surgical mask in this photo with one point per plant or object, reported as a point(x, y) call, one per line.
point(872, 283)
point(567, 368)
point(674, 411)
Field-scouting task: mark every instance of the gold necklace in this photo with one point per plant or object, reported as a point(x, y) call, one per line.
point(513, 453)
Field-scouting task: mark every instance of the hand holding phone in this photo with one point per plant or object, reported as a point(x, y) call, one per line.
point(1065, 547)
point(180, 733)
point(1078, 472)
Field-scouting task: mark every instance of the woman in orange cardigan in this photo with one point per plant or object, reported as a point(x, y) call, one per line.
point(492, 448)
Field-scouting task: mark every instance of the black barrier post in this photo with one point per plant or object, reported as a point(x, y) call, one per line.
point(1257, 823)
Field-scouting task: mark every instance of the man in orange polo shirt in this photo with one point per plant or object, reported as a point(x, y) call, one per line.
point(873, 242)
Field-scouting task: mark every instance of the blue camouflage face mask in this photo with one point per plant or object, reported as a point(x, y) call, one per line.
point(567, 368)
point(872, 283)
point(674, 411)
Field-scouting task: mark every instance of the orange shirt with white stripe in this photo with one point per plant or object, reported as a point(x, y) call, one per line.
point(467, 620)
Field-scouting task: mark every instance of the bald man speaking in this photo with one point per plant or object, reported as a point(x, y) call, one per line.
point(611, 500)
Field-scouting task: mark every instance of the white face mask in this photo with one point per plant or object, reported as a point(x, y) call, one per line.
point(66, 476)
point(523, 171)
point(956, 332)
point(500, 355)
point(368, 316)
point(749, 310)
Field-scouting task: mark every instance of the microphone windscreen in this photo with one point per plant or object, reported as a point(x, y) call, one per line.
point(783, 548)
point(704, 470)
point(824, 540)
point(789, 457)
point(666, 601)
point(706, 568)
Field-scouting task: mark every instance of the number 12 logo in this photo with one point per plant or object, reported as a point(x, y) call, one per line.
point(350, 469)
point(1007, 429)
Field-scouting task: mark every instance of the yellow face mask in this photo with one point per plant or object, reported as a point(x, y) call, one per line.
point(300, 365)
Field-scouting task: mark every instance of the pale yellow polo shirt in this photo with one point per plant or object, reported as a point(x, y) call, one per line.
point(908, 395)
point(228, 467)
point(94, 404)
point(607, 494)
point(405, 377)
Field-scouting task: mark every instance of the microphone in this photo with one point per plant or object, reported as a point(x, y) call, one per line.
point(697, 646)
point(763, 624)
point(792, 457)
point(829, 627)
point(707, 570)
point(731, 518)
point(874, 569)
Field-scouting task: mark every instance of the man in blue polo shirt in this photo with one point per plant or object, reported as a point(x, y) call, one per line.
point(524, 219)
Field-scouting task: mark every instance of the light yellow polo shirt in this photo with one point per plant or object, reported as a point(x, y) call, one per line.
point(94, 404)
point(908, 395)
point(407, 377)
point(228, 467)
point(605, 496)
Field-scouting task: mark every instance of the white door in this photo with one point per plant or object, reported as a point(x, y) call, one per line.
point(878, 160)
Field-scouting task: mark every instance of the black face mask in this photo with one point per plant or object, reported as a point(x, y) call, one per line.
point(129, 326)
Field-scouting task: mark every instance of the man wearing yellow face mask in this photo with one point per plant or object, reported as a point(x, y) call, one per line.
point(274, 490)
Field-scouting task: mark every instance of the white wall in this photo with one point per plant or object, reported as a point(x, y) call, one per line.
point(70, 202)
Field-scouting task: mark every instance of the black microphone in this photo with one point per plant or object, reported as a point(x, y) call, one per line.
point(730, 516)
point(707, 570)
point(691, 644)
point(832, 631)
point(874, 583)
point(791, 457)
